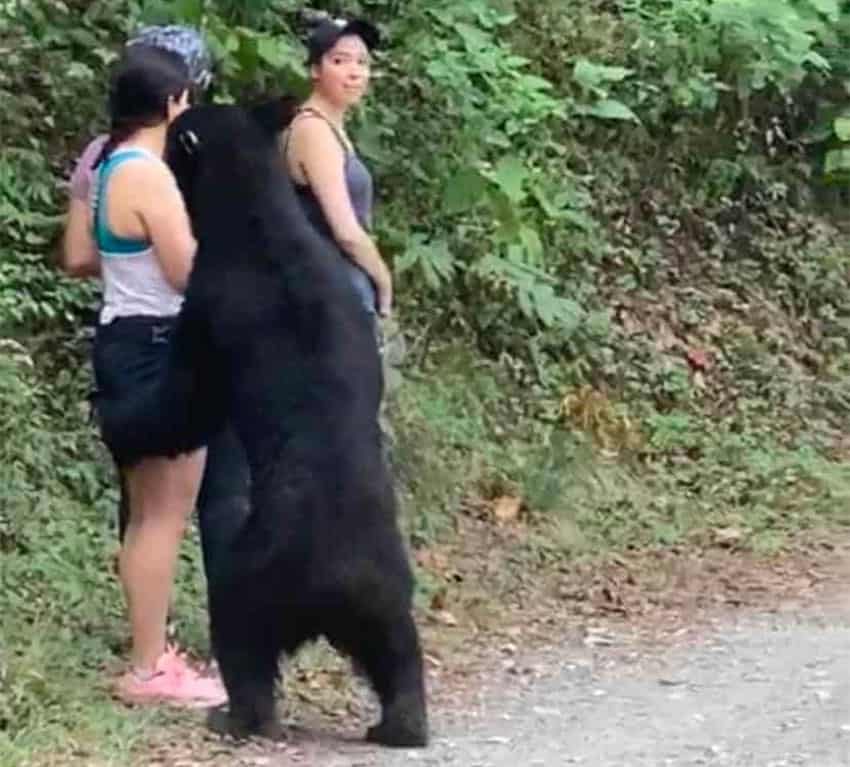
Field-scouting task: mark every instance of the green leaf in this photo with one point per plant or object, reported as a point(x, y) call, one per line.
point(578, 219)
point(591, 76)
point(548, 206)
point(837, 162)
point(474, 39)
point(532, 245)
point(463, 191)
point(510, 175)
point(829, 8)
point(545, 304)
point(80, 71)
point(271, 51)
point(404, 261)
point(817, 133)
point(505, 18)
point(189, 10)
point(818, 61)
point(611, 109)
point(84, 38)
point(842, 128)
point(434, 259)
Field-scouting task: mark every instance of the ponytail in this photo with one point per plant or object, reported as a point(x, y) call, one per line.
point(118, 133)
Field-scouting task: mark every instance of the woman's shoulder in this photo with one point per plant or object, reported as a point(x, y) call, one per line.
point(308, 123)
point(311, 128)
point(141, 170)
point(138, 161)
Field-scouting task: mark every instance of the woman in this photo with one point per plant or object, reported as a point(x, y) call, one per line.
point(222, 500)
point(332, 183)
point(140, 242)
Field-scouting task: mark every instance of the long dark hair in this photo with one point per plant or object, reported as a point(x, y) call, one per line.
point(142, 82)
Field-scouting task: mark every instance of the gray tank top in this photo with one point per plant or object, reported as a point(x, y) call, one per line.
point(359, 183)
point(358, 180)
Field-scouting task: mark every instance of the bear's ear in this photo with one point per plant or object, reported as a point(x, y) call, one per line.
point(189, 141)
point(274, 115)
point(182, 151)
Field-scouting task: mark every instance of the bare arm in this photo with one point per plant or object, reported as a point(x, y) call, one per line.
point(79, 254)
point(164, 216)
point(322, 160)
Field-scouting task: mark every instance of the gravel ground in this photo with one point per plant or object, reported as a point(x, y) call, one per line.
point(765, 690)
point(723, 662)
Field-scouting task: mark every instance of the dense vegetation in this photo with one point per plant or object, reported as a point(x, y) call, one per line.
point(616, 230)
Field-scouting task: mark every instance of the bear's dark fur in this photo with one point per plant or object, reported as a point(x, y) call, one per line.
point(273, 339)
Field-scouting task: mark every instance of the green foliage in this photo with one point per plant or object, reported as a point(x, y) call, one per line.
point(697, 51)
point(61, 614)
point(32, 295)
point(497, 207)
point(595, 81)
point(54, 57)
point(49, 574)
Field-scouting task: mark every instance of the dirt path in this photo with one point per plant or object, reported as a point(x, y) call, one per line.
point(756, 673)
point(767, 691)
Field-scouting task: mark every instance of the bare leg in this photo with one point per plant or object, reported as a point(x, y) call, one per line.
point(162, 495)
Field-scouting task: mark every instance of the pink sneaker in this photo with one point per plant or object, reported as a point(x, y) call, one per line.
point(173, 682)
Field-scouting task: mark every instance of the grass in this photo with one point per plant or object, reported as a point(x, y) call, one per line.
point(685, 475)
point(56, 660)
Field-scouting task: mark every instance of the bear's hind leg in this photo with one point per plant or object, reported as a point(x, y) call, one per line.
point(247, 651)
point(389, 653)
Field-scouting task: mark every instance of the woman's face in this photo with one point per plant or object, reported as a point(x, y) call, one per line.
point(342, 75)
point(176, 106)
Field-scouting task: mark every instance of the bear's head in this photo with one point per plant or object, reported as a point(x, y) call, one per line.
point(223, 136)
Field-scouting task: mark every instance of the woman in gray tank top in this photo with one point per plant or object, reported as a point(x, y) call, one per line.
point(332, 183)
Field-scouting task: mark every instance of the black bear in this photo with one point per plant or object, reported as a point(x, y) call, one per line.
point(272, 339)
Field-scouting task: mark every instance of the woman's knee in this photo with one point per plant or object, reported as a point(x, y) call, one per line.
point(166, 487)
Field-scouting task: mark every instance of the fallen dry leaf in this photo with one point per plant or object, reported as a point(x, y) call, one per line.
point(444, 617)
point(665, 338)
point(432, 560)
point(438, 600)
point(506, 509)
point(727, 536)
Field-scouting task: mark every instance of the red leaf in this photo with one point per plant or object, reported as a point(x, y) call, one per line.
point(698, 359)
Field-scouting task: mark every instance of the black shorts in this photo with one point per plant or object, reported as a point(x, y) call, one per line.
point(129, 357)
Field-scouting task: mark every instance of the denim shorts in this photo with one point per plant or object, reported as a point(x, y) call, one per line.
point(129, 357)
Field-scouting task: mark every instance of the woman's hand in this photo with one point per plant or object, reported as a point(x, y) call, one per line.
point(384, 289)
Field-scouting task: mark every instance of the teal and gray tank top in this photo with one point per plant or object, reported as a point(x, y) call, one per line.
point(133, 280)
point(358, 180)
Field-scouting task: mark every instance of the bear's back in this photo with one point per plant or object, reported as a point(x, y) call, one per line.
point(294, 339)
